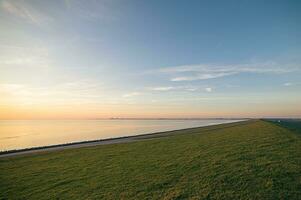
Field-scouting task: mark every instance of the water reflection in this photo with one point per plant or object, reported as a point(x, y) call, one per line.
point(18, 134)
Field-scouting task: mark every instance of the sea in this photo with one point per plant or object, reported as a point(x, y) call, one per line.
point(20, 134)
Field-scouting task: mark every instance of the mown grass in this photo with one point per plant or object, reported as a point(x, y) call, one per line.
point(291, 124)
point(252, 160)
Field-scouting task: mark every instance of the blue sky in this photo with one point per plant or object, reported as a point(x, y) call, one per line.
point(150, 58)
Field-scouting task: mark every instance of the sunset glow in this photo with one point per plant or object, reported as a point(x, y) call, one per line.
point(69, 59)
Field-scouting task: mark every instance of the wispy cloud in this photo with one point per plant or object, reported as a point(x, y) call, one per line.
point(104, 10)
point(131, 94)
point(76, 92)
point(204, 71)
point(191, 89)
point(173, 88)
point(24, 56)
point(288, 84)
point(24, 10)
point(202, 76)
point(208, 89)
point(168, 88)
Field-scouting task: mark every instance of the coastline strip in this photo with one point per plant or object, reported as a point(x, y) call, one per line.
point(124, 139)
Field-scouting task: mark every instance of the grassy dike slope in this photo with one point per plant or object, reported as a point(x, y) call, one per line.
point(251, 160)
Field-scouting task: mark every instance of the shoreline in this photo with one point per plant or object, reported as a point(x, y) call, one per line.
point(117, 140)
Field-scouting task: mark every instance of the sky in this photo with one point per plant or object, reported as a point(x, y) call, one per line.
point(131, 58)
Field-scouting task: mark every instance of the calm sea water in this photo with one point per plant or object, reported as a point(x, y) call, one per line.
point(19, 134)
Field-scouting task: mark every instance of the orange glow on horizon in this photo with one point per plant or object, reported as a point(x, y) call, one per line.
point(132, 111)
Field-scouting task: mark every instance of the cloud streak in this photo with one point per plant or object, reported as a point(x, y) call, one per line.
point(131, 94)
point(168, 88)
point(208, 89)
point(79, 91)
point(204, 72)
point(202, 76)
point(104, 10)
point(173, 88)
point(24, 56)
point(23, 10)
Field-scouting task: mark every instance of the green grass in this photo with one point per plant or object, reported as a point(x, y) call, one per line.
point(292, 124)
point(252, 160)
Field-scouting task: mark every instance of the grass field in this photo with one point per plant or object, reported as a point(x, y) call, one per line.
point(251, 160)
point(292, 124)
